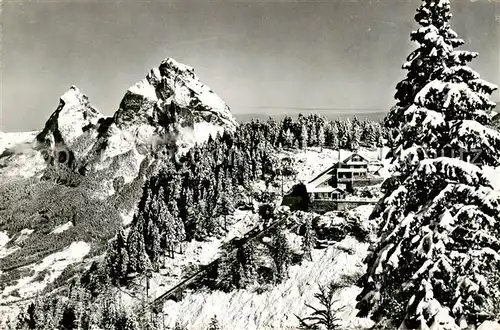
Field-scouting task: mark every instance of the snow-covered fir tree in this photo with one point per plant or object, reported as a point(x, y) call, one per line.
point(436, 263)
point(226, 209)
point(355, 138)
point(280, 252)
point(321, 137)
point(117, 258)
point(435, 42)
point(138, 258)
point(288, 139)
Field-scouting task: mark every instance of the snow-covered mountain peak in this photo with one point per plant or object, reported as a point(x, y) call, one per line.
point(75, 103)
point(172, 92)
point(74, 95)
point(187, 88)
point(171, 64)
point(68, 134)
point(70, 120)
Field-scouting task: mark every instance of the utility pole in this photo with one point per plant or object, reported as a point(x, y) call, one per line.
point(281, 173)
point(147, 287)
point(143, 298)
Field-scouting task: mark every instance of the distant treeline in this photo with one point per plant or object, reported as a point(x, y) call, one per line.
point(317, 131)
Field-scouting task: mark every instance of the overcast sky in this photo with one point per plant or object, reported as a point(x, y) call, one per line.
point(259, 56)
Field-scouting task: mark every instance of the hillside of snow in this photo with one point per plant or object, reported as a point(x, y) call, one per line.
point(272, 307)
point(51, 266)
point(196, 308)
point(276, 307)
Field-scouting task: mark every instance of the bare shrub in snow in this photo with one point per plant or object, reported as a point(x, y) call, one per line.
point(214, 324)
point(326, 315)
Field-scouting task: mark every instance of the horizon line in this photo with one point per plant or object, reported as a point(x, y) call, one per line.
point(311, 108)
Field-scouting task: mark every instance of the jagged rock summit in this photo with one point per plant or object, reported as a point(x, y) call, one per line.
point(73, 115)
point(70, 127)
point(176, 85)
point(169, 108)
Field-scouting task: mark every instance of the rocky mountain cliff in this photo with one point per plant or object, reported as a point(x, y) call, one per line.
point(169, 109)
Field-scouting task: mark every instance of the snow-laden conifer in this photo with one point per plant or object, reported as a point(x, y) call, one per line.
point(436, 263)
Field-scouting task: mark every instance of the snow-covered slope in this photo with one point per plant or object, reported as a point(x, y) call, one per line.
point(277, 307)
point(52, 266)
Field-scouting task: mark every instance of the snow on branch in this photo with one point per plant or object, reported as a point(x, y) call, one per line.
point(460, 57)
point(451, 169)
point(421, 116)
point(484, 141)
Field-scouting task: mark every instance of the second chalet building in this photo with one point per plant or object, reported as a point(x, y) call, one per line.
point(331, 188)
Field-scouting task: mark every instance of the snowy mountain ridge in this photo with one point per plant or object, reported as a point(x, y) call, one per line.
point(79, 153)
point(169, 108)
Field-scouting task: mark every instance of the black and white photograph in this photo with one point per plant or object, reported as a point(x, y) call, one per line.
point(249, 165)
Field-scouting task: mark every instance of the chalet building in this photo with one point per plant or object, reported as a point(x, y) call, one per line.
point(336, 183)
point(354, 171)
